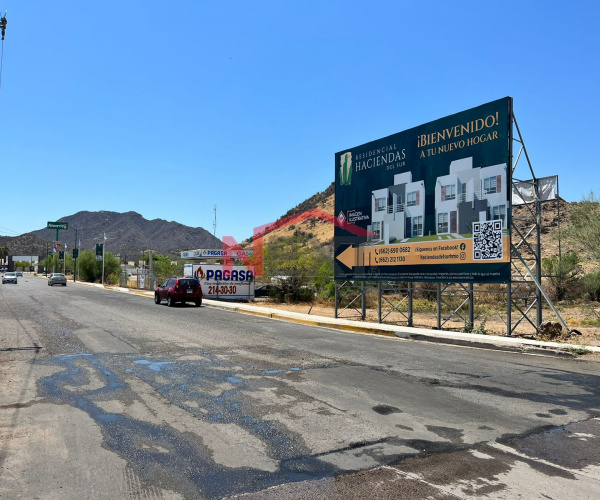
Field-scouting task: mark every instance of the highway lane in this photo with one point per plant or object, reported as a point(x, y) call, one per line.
point(108, 393)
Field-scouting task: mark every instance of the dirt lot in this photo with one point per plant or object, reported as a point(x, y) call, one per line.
point(495, 324)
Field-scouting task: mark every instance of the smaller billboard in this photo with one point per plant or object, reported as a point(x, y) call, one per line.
point(204, 253)
point(99, 251)
point(223, 282)
point(524, 191)
point(58, 225)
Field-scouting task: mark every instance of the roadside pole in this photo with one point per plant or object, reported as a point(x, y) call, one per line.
point(103, 262)
point(75, 255)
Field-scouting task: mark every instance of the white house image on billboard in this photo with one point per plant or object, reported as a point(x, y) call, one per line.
point(398, 211)
point(468, 195)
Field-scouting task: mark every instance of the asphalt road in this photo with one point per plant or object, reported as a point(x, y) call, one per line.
point(105, 395)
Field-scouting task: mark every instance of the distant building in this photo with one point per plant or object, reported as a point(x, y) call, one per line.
point(32, 259)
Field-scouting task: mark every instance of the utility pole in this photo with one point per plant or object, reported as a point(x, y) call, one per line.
point(215, 223)
point(75, 255)
point(103, 245)
point(3, 30)
point(3, 25)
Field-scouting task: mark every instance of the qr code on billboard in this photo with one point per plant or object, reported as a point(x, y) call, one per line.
point(487, 240)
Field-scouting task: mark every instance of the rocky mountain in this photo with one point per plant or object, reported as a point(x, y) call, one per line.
point(128, 234)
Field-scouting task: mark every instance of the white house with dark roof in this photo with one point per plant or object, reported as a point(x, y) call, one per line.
point(398, 211)
point(468, 195)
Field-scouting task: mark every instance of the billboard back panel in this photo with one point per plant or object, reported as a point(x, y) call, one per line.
point(434, 201)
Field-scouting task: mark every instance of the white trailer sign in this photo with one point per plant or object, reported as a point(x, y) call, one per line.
point(223, 282)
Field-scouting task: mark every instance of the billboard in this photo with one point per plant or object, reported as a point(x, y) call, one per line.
point(99, 251)
point(434, 201)
point(223, 282)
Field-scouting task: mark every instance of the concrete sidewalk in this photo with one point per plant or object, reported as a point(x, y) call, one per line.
point(515, 344)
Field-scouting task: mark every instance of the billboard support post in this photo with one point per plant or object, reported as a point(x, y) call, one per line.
point(335, 298)
point(524, 278)
point(538, 268)
point(509, 310)
point(471, 321)
point(439, 305)
point(410, 303)
point(379, 301)
point(363, 302)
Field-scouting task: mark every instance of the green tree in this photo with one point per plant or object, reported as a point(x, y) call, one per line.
point(90, 269)
point(163, 268)
point(48, 263)
point(295, 264)
point(591, 285)
point(324, 279)
point(23, 264)
point(584, 227)
point(88, 266)
point(562, 275)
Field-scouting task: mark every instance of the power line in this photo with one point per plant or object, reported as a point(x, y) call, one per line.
point(9, 230)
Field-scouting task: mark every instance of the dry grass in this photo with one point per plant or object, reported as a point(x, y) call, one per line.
point(425, 316)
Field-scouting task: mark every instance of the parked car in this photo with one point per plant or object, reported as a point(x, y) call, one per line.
point(9, 278)
point(176, 290)
point(19, 273)
point(57, 279)
point(268, 291)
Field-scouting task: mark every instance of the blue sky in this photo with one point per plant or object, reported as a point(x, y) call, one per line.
point(171, 108)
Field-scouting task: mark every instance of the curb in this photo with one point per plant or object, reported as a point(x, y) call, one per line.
point(490, 342)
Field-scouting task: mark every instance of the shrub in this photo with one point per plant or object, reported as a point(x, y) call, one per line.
point(328, 290)
point(478, 330)
point(562, 275)
point(591, 285)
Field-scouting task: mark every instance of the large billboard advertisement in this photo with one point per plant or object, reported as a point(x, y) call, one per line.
point(434, 201)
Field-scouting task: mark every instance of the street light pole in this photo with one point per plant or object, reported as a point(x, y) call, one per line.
point(103, 263)
point(103, 245)
point(75, 258)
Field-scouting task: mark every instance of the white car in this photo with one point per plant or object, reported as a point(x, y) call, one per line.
point(9, 278)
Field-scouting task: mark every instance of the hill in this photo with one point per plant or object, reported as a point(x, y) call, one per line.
point(318, 233)
point(128, 234)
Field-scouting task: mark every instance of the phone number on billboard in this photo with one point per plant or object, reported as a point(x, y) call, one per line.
point(223, 290)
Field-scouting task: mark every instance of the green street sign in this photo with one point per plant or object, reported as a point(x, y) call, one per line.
point(58, 225)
